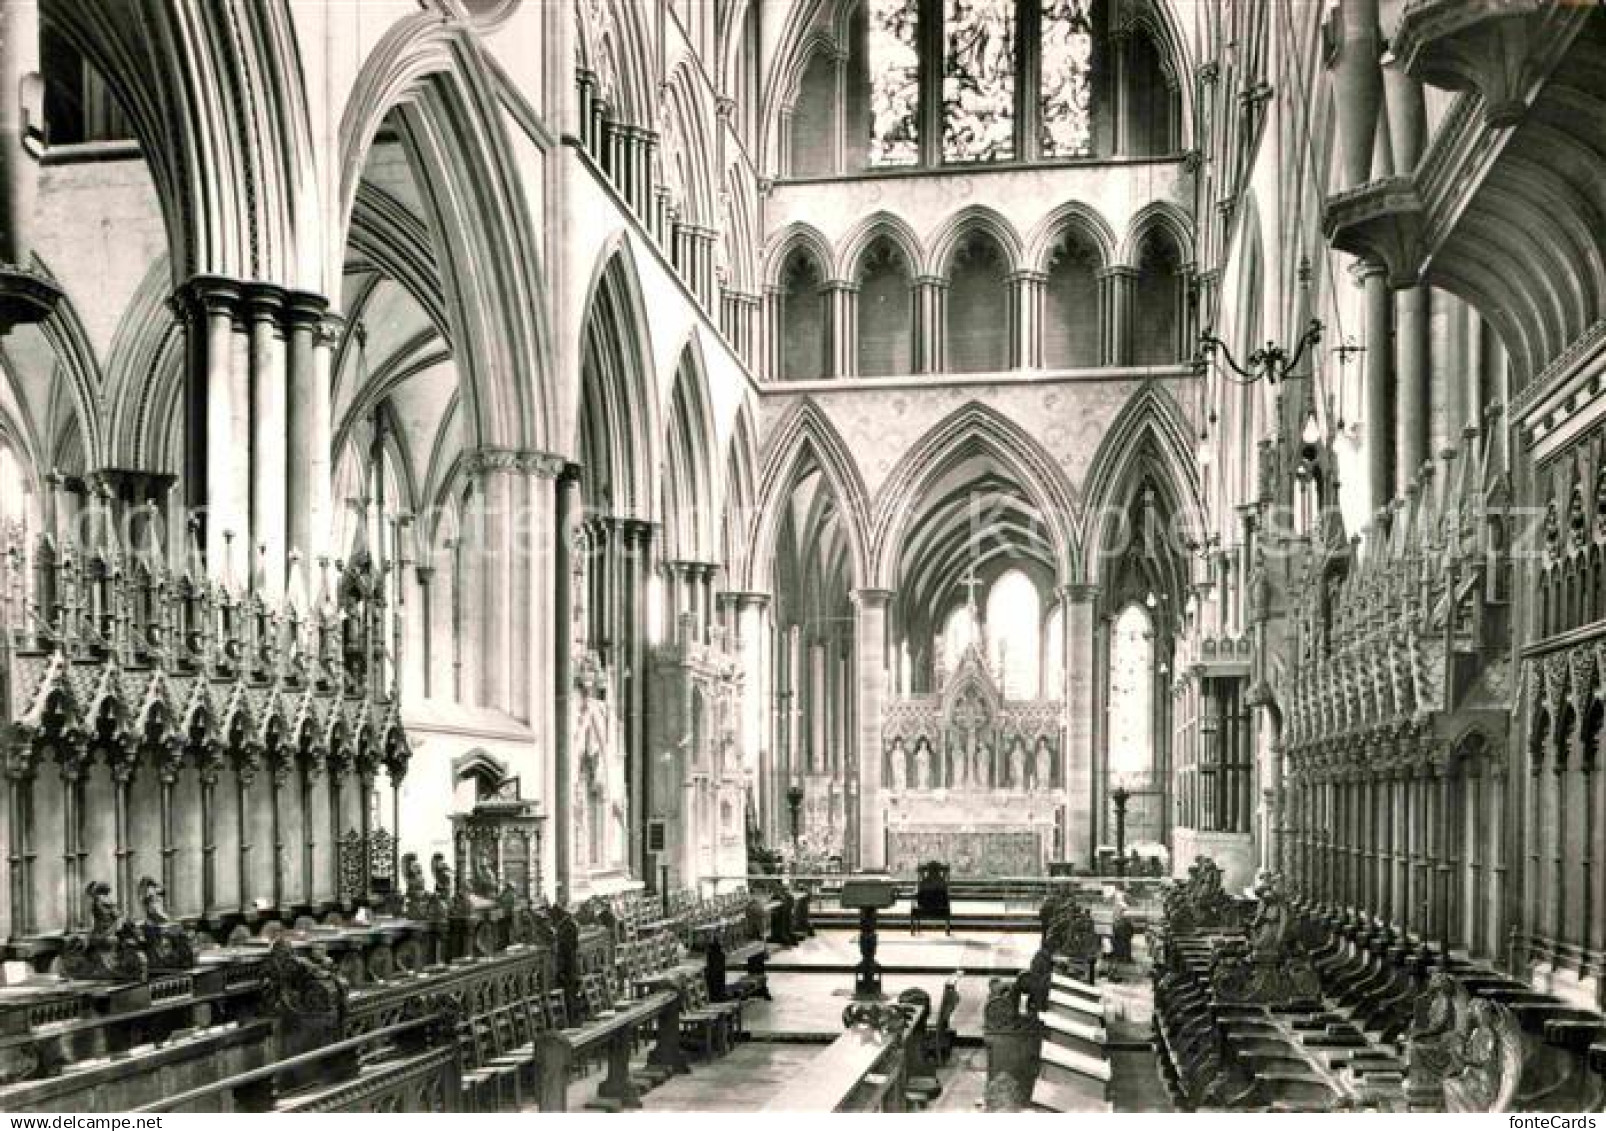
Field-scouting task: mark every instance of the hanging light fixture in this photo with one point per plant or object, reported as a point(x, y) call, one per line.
point(1271, 361)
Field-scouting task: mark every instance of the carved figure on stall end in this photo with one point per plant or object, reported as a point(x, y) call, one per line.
point(415, 893)
point(1198, 903)
point(109, 951)
point(900, 765)
point(304, 988)
point(167, 945)
point(1043, 764)
point(1462, 1054)
point(435, 905)
point(1274, 971)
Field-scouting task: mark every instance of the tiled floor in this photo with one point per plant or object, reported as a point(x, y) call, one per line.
point(743, 1080)
point(813, 1003)
point(896, 948)
point(812, 984)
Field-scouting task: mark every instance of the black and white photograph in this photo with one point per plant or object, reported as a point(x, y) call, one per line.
point(780, 557)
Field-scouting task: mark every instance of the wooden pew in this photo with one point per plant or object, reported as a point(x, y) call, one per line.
point(613, 1036)
point(865, 1069)
point(1074, 1073)
point(410, 1066)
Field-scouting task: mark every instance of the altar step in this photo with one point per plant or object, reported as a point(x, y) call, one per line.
point(897, 920)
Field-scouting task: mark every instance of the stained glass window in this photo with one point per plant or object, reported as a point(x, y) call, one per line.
point(1014, 612)
point(894, 82)
point(1132, 692)
point(1065, 98)
point(978, 85)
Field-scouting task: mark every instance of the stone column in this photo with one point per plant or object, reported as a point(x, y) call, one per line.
point(1076, 760)
point(1117, 285)
point(1120, 93)
point(1595, 869)
point(1412, 382)
point(566, 497)
point(1358, 84)
point(1380, 447)
point(638, 759)
point(1560, 849)
point(19, 169)
point(306, 411)
point(870, 647)
point(1026, 337)
point(818, 741)
point(1495, 914)
point(842, 305)
point(216, 477)
point(774, 342)
point(753, 635)
point(794, 703)
point(268, 457)
point(930, 329)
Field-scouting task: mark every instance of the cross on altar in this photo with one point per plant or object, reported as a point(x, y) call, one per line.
point(969, 715)
point(971, 584)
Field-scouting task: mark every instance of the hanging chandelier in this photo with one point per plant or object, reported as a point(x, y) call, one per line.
point(1270, 362)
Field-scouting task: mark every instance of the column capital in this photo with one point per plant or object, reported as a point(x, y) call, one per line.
point(329, 329)
point(265, 302)
point(638, 530)
point(871, 598)
point(1116, 271)
point(207, 294)
point(1078, 592)
point(544, 465)
point(1364, 269)
point(1028, 275)
point(936, 282)
point(304, 309)
point(748, 599)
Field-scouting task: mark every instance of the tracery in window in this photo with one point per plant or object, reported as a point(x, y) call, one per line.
point(894, 59)
point(1065, 93)
point(958, 633)
point(1014, 639)
point(978, 86)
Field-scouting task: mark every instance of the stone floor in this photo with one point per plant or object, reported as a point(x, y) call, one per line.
point(814, 986)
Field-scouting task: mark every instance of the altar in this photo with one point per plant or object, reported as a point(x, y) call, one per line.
point(972, 778)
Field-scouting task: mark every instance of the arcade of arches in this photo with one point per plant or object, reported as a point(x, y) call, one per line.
point(696, 438)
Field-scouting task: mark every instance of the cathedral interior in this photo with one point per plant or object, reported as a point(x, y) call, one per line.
point(803, 555)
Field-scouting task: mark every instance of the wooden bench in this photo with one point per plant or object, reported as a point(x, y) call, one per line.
point(612, 1036)
point(863, 1070)
point(410, 1066)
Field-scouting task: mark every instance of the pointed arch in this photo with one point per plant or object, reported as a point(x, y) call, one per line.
point(1073, 216)
point(215, 96)
point(689, 448)
point(971, 428)
point(863, 236)
point(952, 233)
point(795, 236)
point(143, 367)
point(739, 491)
point(805, 436)
point(1159, 215)
point(432, 75)
point(685, 105)
point(78, 369)
point(617, 422)
point(1149, 440)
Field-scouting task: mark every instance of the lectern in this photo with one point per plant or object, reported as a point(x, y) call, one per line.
point(869, 895)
